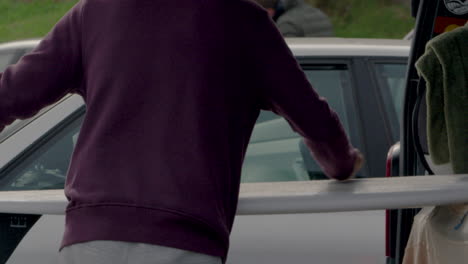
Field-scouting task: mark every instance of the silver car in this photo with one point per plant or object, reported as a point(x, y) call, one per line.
point(363, 81)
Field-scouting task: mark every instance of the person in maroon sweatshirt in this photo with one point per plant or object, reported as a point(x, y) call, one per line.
point(173, 90)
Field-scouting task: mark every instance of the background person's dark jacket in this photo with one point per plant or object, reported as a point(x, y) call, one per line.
point(302, 20)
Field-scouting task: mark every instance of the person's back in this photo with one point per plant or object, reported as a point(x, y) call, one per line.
point(172, 89)
point(167, 112)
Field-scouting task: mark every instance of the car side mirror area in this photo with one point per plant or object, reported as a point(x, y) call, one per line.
point(392, 167)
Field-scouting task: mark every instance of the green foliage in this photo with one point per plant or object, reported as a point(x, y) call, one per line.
point(22, 19)
point(368, 18)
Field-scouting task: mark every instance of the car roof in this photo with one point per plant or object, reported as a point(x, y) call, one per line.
point(321, 47)
point(349, 47)
point(21, 44)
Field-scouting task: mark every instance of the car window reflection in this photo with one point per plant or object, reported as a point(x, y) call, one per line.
point(46, 166)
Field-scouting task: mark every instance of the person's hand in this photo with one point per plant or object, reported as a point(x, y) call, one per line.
point(357, 165)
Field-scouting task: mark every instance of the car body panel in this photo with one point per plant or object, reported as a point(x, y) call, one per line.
point(321, 238)
point(336, 47)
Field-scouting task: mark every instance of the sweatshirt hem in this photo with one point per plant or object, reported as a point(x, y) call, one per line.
point(148, 207)
point(142, 225)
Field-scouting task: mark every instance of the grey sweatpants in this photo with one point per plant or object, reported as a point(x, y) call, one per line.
point(117, 252)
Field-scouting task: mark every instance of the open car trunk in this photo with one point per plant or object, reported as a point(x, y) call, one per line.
point(433, 17)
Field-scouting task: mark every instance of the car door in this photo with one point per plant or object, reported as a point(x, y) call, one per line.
point(35, 157)
point(274, 155)
point(432, 18)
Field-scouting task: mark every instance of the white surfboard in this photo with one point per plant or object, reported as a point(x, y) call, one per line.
point(296, 197)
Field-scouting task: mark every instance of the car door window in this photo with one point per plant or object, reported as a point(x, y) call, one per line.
point(331, 82)
point(274, 153)
point(6, 59)
point(44, 166)
point(392, 81)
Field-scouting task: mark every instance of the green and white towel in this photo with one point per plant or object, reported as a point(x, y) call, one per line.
point(444, 66)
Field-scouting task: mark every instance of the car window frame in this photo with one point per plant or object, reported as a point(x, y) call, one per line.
point(15, 127)
point(367, 96)
point(384, 91)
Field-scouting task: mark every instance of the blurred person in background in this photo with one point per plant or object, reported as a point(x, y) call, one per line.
point(296, 18)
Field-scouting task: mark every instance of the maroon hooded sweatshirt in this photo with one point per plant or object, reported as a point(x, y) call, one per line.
point(173, 90)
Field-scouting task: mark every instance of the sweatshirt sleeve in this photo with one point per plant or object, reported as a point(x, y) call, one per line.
point(285, 90)
point(46, 74)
